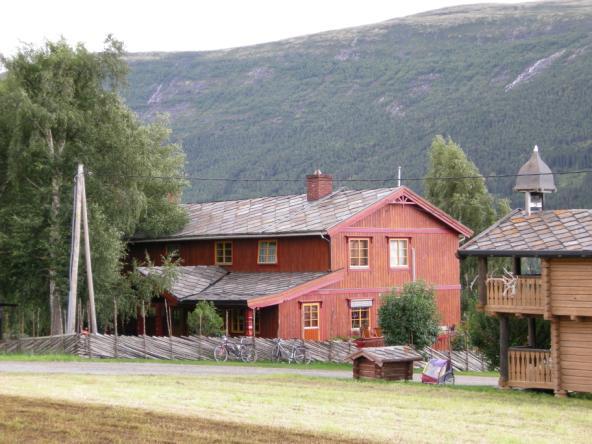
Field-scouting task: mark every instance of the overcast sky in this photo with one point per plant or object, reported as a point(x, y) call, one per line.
point(176, 25)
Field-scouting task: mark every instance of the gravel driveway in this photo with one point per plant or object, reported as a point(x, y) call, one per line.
point(129, 368)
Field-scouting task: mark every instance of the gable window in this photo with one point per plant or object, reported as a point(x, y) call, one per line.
point(267, 252)
point(358, 253)
point(223, 252)
point(398, 252)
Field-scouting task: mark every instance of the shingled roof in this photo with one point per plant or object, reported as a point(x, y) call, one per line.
point(382, 355)
point(213, 283)
point(292, 214)
point(546, 233)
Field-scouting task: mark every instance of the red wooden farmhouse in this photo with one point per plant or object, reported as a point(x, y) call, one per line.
point(310, 266)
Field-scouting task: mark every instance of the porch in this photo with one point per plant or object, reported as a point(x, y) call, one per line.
point(518, 294)
point(530, 368)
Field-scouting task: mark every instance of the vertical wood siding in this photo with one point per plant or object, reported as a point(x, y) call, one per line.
point(575, 350)
point(306, 253)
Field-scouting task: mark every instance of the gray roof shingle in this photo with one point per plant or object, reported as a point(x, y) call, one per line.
point(276, 215)
point(545, 233)
point(381, 355)
point(213, 283)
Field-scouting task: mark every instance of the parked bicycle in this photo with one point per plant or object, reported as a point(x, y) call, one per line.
point(296, 352)
point(244, 351)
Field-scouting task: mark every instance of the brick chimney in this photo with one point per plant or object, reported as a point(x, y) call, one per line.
point(318, 185)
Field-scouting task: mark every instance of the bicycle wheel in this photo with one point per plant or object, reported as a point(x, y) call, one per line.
point(220, 353)
point(276, 354)
point(248, 353)
point(300, 355)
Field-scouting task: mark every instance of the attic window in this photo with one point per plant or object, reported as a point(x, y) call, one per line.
point(267, 253)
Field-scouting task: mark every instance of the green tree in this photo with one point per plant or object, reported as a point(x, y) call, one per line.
point(410, 316)
point(59, 105)
point(467, 200)
point(205, 320)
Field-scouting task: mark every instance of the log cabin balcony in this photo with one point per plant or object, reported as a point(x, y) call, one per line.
point(520, 295)
point(530, 368)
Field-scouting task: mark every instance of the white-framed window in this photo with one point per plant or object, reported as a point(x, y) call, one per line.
point(399, 252)
point(360, 313)
point(267, 252)
point(358, 253)
point(223, 252)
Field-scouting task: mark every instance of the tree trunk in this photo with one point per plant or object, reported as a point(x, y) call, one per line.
point(55, 303)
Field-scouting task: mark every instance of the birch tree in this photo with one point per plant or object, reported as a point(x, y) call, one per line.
point(60, 105)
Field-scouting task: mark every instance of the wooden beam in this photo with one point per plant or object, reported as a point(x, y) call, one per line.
point(556, 358)
point(576, 318)
point(504, 345)
point(482, 269)
point(546, 288)
point(532, 332)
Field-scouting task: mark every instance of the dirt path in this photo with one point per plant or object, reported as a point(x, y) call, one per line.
point(130, 368)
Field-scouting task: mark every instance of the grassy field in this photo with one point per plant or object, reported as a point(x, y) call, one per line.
point(38, 420)
point(374, 411)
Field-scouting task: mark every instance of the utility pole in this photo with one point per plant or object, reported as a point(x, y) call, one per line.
point(74, 253)
point(89, 275)
point(399, 176)
point(80, 215)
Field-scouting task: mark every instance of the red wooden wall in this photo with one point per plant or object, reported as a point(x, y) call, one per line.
point(306, 253)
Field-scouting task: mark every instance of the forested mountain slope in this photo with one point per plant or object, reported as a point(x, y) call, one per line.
point(359, 102)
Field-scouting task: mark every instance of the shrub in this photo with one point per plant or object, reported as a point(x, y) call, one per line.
point(205, 320)
point(410, 316)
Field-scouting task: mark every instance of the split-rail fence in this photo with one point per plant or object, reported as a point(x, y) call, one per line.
point(198, 348)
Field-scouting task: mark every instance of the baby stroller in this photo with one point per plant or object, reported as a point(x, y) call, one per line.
point(438, 371)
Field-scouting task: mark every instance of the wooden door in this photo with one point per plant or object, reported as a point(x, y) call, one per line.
point(311, 321)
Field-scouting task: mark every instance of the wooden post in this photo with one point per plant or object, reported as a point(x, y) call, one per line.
point(546, 287)
point(532, 332)
point(250, 322)
point(556, 358)
point(115, 326)
point(482, 267)
point(227, 322)
point(504, 342)
point(144, 328)
point(516, 266)
point(74, 254)
point(89, 276)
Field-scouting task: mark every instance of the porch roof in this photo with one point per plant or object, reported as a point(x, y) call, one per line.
point(553, 233)
point(216, 284)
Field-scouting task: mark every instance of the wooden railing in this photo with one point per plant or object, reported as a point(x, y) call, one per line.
point(524, 295)
point(529, 368)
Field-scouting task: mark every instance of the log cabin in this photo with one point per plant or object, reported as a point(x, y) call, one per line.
point(311, 266)
point(550, 281)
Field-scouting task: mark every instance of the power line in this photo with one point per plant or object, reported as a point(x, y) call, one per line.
point(391, 179)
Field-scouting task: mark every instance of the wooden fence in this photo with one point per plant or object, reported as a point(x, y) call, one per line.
point(197, 347)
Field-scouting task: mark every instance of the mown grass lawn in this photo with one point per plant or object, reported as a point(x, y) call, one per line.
point(329, 407)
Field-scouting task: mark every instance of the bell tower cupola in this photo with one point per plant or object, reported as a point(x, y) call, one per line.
point(535, 179)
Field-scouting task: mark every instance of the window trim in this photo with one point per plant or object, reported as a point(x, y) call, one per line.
point(259, 252)
point(360, 309)
point(349, 257)
point(398, 267)
point(311, 304)
point(216, 252)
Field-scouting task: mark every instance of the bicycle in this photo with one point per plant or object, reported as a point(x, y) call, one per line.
point(297, 353)
point(243, 351)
